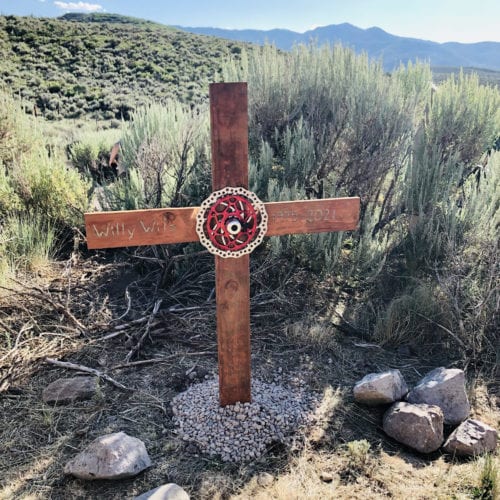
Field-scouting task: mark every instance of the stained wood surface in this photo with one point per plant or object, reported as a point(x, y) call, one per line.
point(233, 329)
point(140, 227)
point(312, 216)
point(229, 131)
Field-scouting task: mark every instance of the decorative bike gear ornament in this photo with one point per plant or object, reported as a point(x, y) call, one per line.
point(231, 222)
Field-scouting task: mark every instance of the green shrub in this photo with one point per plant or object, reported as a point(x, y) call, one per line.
point(39, 195)
point(165, 150)
point(460, 123)
point(90, 150)
point(48, 185)
point(418, 316)
point(14, 130)
point(325, 122)
point(9, 199)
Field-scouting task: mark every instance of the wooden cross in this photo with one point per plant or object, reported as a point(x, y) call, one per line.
point(229, 135)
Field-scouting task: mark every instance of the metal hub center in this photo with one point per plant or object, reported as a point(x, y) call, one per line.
point(231, 222)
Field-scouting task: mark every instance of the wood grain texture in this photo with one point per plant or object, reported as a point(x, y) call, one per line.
point(312, 216)
point(140, 227)
point(233, 329)
point(229, 132)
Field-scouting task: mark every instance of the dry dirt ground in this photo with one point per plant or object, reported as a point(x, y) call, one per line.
point(71, 312)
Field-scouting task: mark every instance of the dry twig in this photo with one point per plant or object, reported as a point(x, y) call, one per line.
point(44, 296)
point(86, 369)
point(147, 329)
point(151, 361)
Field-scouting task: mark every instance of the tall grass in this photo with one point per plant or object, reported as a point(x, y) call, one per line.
point(28, 241)
point(41, 198)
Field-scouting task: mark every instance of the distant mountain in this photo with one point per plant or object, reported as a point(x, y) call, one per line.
point(377, 43)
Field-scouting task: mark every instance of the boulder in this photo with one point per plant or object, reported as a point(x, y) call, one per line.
point(418, 426)
point(168, 491)
point(443, 387)
point(113, 456)
point(380, 388)
point(472, 438)
point(67, 390)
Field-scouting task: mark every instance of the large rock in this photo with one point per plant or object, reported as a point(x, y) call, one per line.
point(67, 390)
point(380, 388)
point(472, 437)
point(444, 387)
point(418, 426)
point(113, 456)
point(168, 491)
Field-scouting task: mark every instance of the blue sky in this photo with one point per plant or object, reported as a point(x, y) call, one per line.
point(438, 20)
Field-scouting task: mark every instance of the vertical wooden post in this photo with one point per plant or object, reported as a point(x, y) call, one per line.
point(229, 130)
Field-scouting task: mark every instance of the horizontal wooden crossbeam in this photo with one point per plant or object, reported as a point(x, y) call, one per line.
point(130, 228)
point(177, 225)
point(312, 216)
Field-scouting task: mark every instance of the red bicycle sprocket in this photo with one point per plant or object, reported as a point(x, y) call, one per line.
point(231, 222)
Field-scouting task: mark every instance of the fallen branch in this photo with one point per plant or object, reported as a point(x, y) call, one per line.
point(129, 305)
point(86, 369)
point(147, 329)
point(439, 325)
point(119, 329)
point(151, 361)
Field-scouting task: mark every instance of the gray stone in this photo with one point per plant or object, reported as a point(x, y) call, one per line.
point(380, 388)
point(472, 438)
point(444, 387)
point(418, 426)
point(168, 491)
point(326, 477)
point(113, 456)
point(67, 390)
point(265, 479)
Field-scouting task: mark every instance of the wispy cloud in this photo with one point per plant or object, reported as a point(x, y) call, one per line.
point(83, 6)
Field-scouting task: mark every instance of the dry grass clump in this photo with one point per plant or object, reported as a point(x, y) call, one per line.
point(319, 476)
point(45, 318)
point(319, 334)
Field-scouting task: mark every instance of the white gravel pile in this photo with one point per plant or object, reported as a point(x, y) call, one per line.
point(241, 432)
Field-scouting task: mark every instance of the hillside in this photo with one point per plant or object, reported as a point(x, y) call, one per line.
point(104, 67)
point(376, 42)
